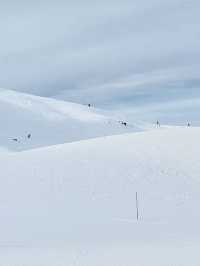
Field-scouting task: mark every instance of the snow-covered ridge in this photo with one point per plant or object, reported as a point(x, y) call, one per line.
point(49, 121)
point(48, 108)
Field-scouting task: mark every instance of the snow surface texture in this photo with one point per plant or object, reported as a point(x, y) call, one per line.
point(74, 204)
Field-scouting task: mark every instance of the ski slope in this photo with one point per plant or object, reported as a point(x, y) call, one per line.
point(74, 204)
point(50, 122)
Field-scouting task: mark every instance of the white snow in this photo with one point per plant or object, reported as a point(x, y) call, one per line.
point(69, 173)
point(74, 204)
point(67, 194)
point(50, 121)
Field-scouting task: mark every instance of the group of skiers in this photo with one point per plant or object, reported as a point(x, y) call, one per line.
point(17, 140)
point(158, 124)
point(123, 123)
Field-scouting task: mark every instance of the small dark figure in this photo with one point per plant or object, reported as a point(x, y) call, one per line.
point(29, 136)
point(89, 105)
point(158, 123)
point(188, 125)
point(124, 123)
point(16, 140)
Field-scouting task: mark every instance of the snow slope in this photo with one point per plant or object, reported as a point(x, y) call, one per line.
point(50, 121)
point(74, 204)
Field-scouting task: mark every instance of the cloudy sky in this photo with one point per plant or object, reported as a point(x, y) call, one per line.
point(102, 51)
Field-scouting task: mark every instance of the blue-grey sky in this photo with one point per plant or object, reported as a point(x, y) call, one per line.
point(102, 51)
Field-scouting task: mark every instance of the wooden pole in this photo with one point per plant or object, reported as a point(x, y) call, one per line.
point(137, 207)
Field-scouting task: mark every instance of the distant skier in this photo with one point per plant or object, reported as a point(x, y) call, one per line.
point(158, 123)
point(29, 136)
point(188, 124)
point(89, 105)
point(124, 123)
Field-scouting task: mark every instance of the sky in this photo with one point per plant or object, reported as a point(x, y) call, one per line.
point(105, 52)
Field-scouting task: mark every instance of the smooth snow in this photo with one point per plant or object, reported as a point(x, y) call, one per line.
point(75, 203)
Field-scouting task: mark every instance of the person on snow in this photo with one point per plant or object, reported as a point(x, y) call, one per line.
point(124, 123)
point(158, 123)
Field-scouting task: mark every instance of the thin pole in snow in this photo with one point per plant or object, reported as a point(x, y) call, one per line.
point(137, 208)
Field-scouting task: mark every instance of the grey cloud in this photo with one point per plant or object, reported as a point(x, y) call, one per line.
point(76, 49)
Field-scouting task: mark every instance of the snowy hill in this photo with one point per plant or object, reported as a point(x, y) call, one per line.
point(72, 174)
point(72, 203)
point(50, 121)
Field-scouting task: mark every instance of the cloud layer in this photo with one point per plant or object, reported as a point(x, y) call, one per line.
point(103, 51)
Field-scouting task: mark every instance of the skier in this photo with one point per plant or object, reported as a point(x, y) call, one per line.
point(188, 125)
point(124, 123)
point(29, 136)
point(158, 123)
